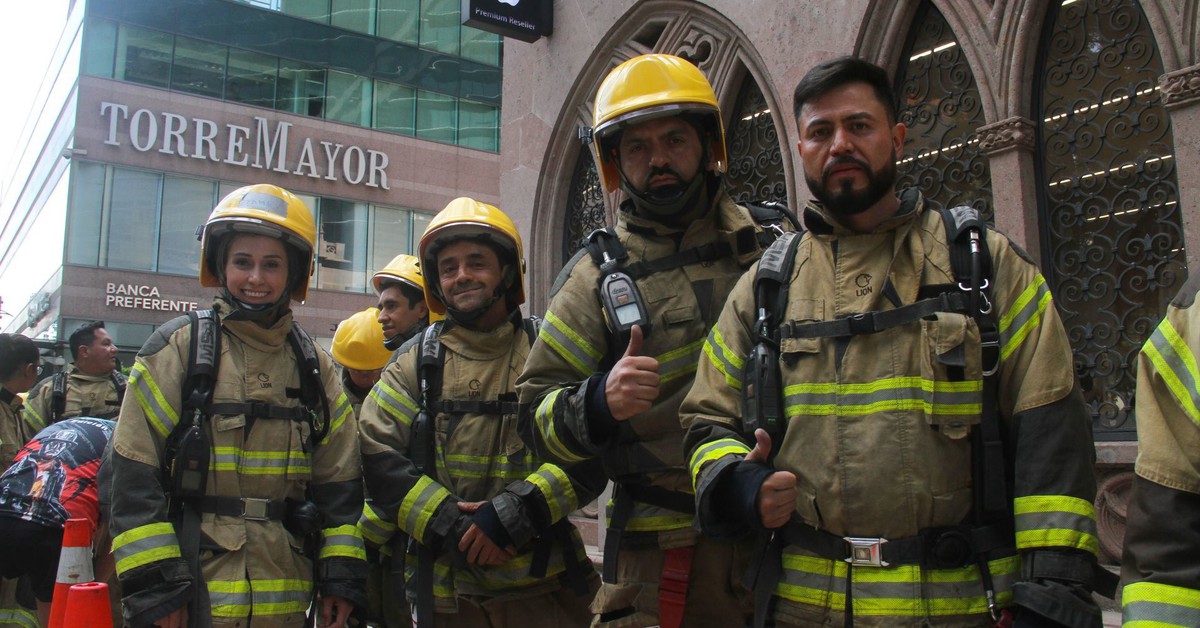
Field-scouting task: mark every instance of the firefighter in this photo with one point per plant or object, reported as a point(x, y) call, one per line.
point(441, 452)
point(402, 308)
point(358, 346)
point(20, 365)
point(896, 374)
point(358, 349)
point(261, 486)
point(1162, 535)
point(92, 386)
point(606, 377)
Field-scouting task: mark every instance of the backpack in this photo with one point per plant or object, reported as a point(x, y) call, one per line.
point(58, 393)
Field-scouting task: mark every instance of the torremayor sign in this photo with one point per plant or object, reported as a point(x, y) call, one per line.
point(259, 145)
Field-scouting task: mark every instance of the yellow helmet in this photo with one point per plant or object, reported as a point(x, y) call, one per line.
point(647, 87)
point(468, 218)
point(403, 268)
point(260, 209)
point(358, 342)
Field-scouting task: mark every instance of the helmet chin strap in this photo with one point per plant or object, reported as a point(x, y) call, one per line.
point(258, 312)
point(393, 343)
point(675, 208)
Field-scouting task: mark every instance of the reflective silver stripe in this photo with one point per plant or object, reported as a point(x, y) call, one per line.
point(679, 362)
point(730, 364)
point(1163, 614)
point(155, 406)
point(556, 489)
point(395, 404)
point(499, 466)
point(419, 505)
point(570, 345)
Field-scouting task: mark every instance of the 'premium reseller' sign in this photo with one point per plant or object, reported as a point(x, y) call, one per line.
point(259, 144)
point(526, 20)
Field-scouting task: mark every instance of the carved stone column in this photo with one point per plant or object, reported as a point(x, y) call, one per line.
point(1010, 146)
point(1181, 96)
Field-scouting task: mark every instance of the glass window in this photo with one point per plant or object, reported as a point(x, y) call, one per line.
point(437, 116)
point(480, 46)
point(398, 20)
point(143, 56)
point(440, 25)
point(99, 47)
point(311, 202)
point(132, 219)
point(348, 99)
point(251, 78)
point(199, 67)
point(87, 204)
point(391, 236)
point(355, 15)
point(186, 204)
point(395, 108)
point(419, 223)
point(342, 249)
point(478, 126)
point(301, 88)
point(316, 10)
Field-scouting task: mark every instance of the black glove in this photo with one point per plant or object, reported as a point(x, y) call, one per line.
point(153, 591)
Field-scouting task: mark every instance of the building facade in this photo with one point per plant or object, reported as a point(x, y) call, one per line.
point(375, 113)
point(1072, 124)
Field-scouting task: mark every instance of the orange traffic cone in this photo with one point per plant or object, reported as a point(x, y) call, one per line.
point(74, 567)
point(88, 607)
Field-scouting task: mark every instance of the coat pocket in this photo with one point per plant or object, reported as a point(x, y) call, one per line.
point(951, 373)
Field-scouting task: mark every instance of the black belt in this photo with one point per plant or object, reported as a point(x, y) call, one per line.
point(936, 548)
point(261, 410)
point(244, 507)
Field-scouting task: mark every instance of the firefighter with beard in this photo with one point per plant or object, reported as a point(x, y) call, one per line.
point(930, 461)
point(402, 309)
point(264, 476)
point(616, 353)
point(442, 456)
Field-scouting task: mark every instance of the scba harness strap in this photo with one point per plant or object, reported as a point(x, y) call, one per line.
point(58, 396)
point(971, 265)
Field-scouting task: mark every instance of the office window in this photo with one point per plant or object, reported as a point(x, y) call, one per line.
point(395, 108)
point(398, 20)
point(132, 220)
point(478, 126)
point(199, 67)
point(342, 249)
point(392, 235)
point(84, 218)
point(348, 99)
point(440, 25)
point(99, 46)
point(355, 15)
point(186, 204)
point(419, 223)
point(143, 56)
point(251, 78)
point(315, 10)
point(480, 46)
point(437, 117)
point(301, 88)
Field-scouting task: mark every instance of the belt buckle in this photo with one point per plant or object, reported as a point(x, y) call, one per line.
point(866, 551)
point(255, 509)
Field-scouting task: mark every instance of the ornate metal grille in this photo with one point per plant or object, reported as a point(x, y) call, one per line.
point(585, 204)
point(1112, 238)
point(755, 163)
point(939, 103)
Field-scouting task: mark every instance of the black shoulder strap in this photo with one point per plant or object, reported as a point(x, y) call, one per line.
point(531, 325)
point(119, 380)
point(312, 389)
point(204, 353)
point(430, 359)
point(58, 396)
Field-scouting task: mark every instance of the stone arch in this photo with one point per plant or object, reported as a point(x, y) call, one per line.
point(689, 29)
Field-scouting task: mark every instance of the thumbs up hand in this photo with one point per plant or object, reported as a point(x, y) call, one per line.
point(776, 497)
point(632, 384)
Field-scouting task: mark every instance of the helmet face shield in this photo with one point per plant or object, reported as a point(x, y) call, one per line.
point(649, 87)
point(265, 210)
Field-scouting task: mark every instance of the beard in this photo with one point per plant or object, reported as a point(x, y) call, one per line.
point(665, 193)
point(846, 201)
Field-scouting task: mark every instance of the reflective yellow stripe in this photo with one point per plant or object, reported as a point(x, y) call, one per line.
point(235, 599)
point(1024, 315)
point(161, 414)
point(419, 505)
point(394, 404)
point(711, 452)
point(373, 526)
point(882, 395)
point(729, 363)
point(144, 545)
point(1176, 365)
point(342, 410)
point(549, 429)
point(1153, 605)
point(18, 617)
point(569, 345)
point(1055, 521)
point(499, 466)
point(556, 489)
point(345, 541)
point(248, 462)
point(679, 362)
point(900, 591)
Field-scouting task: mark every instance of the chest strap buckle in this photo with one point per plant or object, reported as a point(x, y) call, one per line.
point(256, 509)
point(866, 551)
